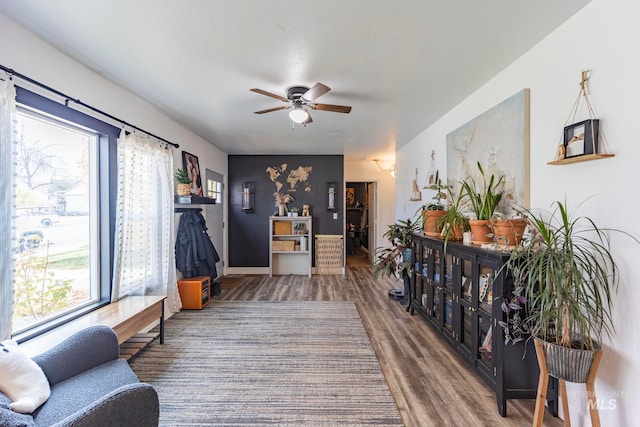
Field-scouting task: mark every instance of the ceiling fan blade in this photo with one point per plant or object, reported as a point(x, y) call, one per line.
point(272, 109)
point(309, 120)
point(272, 95)
point(316, 91)
point(335, 108)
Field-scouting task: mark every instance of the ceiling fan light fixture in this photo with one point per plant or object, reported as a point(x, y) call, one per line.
point(299, 115)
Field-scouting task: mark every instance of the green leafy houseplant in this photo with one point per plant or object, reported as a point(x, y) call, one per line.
point(455, 222)
point(182, 177)
point(440, 189)
point(393, 261)
point(432, 212)
point(483, 199)
point(183, 186)
point(564, 276)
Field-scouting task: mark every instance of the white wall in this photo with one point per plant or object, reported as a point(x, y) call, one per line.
point(605, 38)
point(23, 52)
point(367, 171)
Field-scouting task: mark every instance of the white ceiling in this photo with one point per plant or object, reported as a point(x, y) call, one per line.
point(400, 64)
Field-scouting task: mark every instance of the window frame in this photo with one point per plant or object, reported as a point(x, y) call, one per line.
point(107, 195)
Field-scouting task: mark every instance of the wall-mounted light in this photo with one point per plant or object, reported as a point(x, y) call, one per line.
point(332, 196)
point(391, 168)
point(247, 196)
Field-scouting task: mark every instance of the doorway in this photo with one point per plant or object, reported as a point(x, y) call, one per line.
point(360, 222)
point(213, 214)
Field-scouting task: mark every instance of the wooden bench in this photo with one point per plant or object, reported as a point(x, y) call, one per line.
point(127, 317)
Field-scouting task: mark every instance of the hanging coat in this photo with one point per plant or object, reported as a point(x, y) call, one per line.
point(195, 254)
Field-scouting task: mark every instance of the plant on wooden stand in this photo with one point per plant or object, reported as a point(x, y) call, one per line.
point(564, 277)
point(483, 201)
point(183, 186)
point(395, 260)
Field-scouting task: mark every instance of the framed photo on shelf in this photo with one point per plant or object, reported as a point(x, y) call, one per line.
point(581, 138)
point(190, 164)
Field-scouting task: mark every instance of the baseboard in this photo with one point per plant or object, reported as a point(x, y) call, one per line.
point(247, 270)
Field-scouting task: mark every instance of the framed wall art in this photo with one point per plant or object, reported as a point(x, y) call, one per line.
point(350, 196)
point(581, 138)
point(499, 140)
point(191, 165)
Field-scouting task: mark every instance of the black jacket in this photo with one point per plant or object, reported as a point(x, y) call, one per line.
point(195, 254)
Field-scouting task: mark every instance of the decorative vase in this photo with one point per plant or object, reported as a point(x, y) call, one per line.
point(183, 189)
point(508, 231)
point(481, 231)
point(281, 210)
point(431, 218)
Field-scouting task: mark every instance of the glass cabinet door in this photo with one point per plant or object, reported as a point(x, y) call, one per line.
point(486, 275)
point(426, 271)
point(485, 340)
point(463, 294)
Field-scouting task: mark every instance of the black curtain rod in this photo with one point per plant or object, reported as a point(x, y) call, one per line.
point(10, 72)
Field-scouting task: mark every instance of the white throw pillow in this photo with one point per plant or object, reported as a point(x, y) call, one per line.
point(21, 379)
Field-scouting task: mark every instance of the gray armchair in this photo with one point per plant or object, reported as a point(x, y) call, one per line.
point(90, 386)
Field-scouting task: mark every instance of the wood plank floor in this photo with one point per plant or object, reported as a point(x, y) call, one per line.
point(431, 385)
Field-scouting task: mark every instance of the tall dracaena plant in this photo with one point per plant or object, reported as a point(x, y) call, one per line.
point(483, 200)
point(564, 277)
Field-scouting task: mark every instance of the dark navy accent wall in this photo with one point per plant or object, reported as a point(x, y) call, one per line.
point(249, 231)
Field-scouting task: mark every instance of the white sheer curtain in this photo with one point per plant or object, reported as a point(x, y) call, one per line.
point(7, 203)
point(144, 256)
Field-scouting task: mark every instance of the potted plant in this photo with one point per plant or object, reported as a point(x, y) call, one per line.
point(483, 201)
point(433, 212)
point(455, 222)
point(395, 260)
point(183, 187)
point(508, 231)
point(294, 211)
point(564, 277)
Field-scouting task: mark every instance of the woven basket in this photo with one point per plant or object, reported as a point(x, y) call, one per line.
point(183, 189)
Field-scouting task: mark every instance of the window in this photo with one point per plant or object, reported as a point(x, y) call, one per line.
point(57, 253)
point(214, 190)
point(64, 206)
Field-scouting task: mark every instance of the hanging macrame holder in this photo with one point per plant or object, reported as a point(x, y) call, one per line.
point(560, 157)
point(432, 175)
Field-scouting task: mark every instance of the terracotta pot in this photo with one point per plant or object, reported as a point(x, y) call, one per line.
point(183, 189)
point(508, 231)
point(481, 231)
point(456, 233)
point(431, 218)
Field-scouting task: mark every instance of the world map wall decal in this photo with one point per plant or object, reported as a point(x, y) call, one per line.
point(294, 177)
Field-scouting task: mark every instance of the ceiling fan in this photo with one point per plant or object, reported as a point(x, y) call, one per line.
point(299, 98)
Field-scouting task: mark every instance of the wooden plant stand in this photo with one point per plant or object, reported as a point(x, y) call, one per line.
point(543, 383)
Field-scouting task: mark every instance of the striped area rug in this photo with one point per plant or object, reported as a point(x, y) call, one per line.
point(268, 363)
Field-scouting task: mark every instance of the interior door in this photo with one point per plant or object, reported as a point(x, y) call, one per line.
point(214, 215)
point(373, 227)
